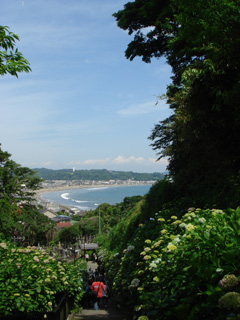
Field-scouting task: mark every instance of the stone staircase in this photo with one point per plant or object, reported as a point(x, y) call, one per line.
point(111, 313)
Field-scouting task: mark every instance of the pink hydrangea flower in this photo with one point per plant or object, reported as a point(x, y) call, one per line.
point(36, 259)
point(228, 281)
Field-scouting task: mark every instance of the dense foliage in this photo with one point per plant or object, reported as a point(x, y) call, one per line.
point(20, 219)
point(31, 282)
point(201, 43)
point(17, 183)
point(168, 263)
point(172, 261)
point(25, 224)
point(104, 175)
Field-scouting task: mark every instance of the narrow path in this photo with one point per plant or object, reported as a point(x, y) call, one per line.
point(111, 313)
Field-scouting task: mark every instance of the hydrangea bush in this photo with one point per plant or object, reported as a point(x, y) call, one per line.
point(31, 281)
point(186, 269)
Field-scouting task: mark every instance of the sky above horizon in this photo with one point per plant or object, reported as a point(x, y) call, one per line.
point(84, 105)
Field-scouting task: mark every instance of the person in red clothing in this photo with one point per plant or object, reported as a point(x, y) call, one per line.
point(97, 286)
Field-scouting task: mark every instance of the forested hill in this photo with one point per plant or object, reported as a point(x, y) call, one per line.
point(103, 174)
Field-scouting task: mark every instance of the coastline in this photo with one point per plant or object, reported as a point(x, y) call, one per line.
point(55, 188)
point(84, 186)
point(63, 188)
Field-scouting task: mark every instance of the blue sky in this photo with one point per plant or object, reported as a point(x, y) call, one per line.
point(84, 105)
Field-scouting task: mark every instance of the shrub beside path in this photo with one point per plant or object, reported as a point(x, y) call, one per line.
point(111, 313)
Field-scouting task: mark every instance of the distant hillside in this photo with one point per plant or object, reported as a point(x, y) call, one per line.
point(103, 174)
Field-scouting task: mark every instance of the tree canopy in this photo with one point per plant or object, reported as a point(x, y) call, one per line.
point(11, 60)
point(17, 183)
point(186, 33)
point(201, 43)
point(20, 219)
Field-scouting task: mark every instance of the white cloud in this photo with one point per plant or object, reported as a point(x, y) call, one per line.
point(121, 163)
point(96, 161)
point(121, 159)
point(118, 160)
point(90, 162)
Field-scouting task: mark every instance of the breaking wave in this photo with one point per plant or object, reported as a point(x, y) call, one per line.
point(91, 198)
point(65, 196)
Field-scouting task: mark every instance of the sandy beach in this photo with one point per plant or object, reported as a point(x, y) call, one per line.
point(81, 186)
point(65, 187)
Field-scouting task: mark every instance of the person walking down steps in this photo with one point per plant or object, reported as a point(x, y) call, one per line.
point(97, 292)
point(105, 293)
point(104, 308)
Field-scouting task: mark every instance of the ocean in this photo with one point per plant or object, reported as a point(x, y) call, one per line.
point(91, 198)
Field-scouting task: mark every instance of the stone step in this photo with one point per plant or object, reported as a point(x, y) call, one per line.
point(87, 314)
